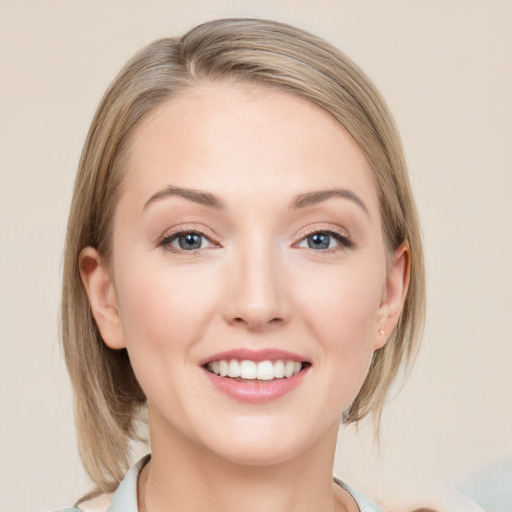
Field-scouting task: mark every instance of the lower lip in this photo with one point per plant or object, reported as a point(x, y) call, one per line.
point(256, 392)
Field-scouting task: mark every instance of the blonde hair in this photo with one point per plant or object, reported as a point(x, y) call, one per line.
point(108, 398)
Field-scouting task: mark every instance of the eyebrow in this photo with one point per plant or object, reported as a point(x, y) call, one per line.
point(312, 198)
point(197, 196)
point(213, 201)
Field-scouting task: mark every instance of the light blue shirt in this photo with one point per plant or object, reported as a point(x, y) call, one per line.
point(125, 497)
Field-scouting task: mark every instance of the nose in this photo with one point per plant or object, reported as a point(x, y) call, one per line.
point(257, 297)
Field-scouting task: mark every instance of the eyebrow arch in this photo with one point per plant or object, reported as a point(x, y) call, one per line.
point(197, 196)
point(312, 198)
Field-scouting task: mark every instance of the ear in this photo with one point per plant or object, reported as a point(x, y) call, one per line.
point(98, 283)
point(393, 296)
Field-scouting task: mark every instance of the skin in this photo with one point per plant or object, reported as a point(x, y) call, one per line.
point(255, 283)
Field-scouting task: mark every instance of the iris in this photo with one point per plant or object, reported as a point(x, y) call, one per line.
point(190, 241)
point(319, 241)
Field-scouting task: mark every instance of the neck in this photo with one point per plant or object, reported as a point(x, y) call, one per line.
point(183, 476)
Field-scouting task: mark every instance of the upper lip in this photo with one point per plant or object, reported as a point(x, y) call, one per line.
point(266, 354)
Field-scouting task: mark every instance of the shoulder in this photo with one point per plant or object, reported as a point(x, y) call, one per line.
point(364, 504)
point(99, 503)
point(124, 499)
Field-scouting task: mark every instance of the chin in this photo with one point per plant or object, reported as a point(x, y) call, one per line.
point(255, 455)
point(263, 444)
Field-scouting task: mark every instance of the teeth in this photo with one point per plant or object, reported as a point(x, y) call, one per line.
point(279, 369)
point(234, 368)
point(288, 368)
point(223, 368)
point(265, 370)
point(250, 370)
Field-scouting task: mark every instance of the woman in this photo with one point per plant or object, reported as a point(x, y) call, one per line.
point(243, 258)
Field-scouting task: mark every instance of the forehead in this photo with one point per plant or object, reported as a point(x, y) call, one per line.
point(244, 140)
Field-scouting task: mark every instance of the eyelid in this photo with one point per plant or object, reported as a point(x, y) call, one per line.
point(183, 229)
point(323, 228)
point(342, 236)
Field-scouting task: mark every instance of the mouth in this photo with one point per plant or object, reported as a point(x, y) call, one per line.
point(250, 370)
point(256, 376)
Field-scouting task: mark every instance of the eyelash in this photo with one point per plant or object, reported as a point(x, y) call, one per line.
point(342, 238)
point(166, 241)
point(344, 241)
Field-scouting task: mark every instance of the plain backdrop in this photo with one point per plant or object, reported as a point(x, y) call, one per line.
point(445, 69)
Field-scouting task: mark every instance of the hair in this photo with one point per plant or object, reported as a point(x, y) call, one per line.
point(108, 398)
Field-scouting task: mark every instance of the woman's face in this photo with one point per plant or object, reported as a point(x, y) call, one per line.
point(247, 230)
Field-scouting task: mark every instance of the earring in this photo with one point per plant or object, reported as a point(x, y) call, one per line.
point(382, 332)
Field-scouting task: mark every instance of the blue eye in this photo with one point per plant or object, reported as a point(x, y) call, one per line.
point(189, 241)
point(319, 241)
point(186, 241)
point(324, 240)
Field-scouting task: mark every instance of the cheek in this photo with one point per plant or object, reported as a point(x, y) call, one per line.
point(341, 309)
point(164, 310)
point(347, 297)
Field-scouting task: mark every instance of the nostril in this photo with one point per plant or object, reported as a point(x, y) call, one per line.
point(257, 322)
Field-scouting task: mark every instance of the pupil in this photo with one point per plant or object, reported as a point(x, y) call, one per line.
point(318, 241)
point(190, 241)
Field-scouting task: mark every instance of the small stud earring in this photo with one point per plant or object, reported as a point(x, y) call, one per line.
point(382, 332)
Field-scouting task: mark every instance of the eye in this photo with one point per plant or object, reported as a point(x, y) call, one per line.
point(186, 241)
point(324, 240)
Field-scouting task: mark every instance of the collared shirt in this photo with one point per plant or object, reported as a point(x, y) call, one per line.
point(125, 497)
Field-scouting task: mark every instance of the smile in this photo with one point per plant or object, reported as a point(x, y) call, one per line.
point(253, 370)
point(255, 376)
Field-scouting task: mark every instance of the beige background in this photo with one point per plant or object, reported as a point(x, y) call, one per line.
point(445, 68)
